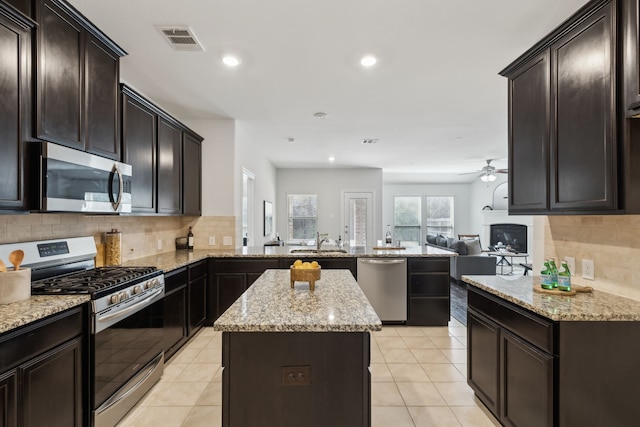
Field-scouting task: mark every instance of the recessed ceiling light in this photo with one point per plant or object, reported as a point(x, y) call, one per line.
point(320, 115)
point(368, 61)
point(291, 140)
point(332, 159)
point(231, 60)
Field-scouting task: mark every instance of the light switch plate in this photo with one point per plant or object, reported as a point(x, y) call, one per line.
point(212, 240)
point(588, 269)
point(227, 241)
point(159, 244)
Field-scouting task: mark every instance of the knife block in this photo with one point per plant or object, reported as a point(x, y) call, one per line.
point(15, 286)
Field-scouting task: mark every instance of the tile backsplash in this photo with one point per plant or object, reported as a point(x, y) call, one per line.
point(611, 241)
point(140, 234)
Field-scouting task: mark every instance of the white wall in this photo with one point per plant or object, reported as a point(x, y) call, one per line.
point(328, 184)
point(217, 165)
point(250, 155)
point(461, 205)
point(481, 196)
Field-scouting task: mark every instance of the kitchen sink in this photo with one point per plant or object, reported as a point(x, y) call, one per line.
point(317, 251)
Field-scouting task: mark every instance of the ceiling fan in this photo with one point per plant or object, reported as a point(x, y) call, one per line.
point(487, 173)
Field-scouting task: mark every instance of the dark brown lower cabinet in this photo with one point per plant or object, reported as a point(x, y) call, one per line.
point(175, 311)
point(197, 295)
point(428, 292)
point(311, 379)
point(43, 372)
point(529, 370)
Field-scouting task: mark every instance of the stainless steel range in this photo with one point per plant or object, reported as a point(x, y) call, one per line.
point(126, 348)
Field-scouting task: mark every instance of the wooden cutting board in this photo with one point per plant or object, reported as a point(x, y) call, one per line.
point(575, 289)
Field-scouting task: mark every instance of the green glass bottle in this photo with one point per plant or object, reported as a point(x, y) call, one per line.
point(545, 276)
point(554, 272)
point(564, 278)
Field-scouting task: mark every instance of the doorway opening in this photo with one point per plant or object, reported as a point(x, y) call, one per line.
point(248, 208)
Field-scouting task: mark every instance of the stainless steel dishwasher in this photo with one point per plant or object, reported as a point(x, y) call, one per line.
point(384, 282)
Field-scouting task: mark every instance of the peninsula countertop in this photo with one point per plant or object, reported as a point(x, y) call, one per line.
point(270, 305)
point(171, 260)
point(37, 307)
point(595, 306)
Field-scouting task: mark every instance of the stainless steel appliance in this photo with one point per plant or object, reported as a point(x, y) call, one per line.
point(75, 181)
point(126, 327)
point(384, 283)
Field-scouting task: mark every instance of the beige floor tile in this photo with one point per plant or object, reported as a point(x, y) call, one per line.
point(433, 416)
point(204, 416)
point(455, 355)
point(390, 342)
point(462, 368)
point(218, 375)
point(380, 372)
point(458, 331)
point(443, 372)
point(436, 331)
point(185, 355)
point(474, 416)
point(179, 394)
point(208, 355)
point(418, 342)
point(211, 395)
point(208, 331)
point(386, 332)
point(420, 394)
point(200, 341)
point(172, 371)
point(387, 416)
point(456, 393)
point(430, 356)
point(397, 355)
point(132, 419)
point(385, 394)
point(152, 396)
point(198, 372)
point(411, 331)
point(376, 356)
point(454, 323)
point(411, 372)
point(447, 342)
point(165, 416)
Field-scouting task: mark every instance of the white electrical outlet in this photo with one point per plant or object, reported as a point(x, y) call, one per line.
point(212, 240)
point(588, 269)
point(227, 241)
point(159, 244)
point(571, 263)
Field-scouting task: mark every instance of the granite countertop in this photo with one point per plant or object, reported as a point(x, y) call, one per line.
point(37, 307)
point(270, 305)
point(168, 261)
point(595, 306)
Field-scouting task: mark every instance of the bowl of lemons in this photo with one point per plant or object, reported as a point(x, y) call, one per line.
point(305, 272)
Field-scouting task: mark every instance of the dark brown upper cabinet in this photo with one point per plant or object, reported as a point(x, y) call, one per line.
point(169, 167)
point(76, 81)
point(139, 122)
point(15, 102)
point(631, 49)
point(192, 173)
point(563, 146)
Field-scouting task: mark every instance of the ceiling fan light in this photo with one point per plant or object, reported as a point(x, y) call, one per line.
point(488, 177)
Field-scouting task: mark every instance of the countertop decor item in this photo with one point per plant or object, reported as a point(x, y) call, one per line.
point(113, 241)
point(181, 243)
point(16, 258)
point(15, 285)
point(305, 272)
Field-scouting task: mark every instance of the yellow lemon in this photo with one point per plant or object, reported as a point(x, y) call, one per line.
point(306, 265)
point(297, 263)
point(314, 264)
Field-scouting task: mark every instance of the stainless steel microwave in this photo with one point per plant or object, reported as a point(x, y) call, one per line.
point(76, 181)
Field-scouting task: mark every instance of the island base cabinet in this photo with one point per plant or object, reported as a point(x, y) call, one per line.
point(311, 379)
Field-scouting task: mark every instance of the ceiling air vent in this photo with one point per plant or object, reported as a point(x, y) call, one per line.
point(181, 38)
point(370, 141)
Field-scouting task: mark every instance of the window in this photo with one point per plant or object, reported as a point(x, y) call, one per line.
point(406, 219)
point(303, 216)
point(440, 215)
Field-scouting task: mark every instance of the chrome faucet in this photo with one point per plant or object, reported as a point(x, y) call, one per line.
point(319, 241)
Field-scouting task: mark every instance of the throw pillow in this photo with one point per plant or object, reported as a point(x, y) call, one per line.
point(459, 246)
point(441, 241)
point(431, 239)
point(473, 247)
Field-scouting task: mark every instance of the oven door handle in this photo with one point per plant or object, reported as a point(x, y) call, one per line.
point(134, 307)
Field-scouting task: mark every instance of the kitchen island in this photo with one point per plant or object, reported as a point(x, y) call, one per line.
point(297, 357)
point(536, 359)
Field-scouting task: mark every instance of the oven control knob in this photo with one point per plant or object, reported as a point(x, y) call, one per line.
point(114, 299)
point(124, 295)
point(137, 289)
point(149, 284)
point(156, 282)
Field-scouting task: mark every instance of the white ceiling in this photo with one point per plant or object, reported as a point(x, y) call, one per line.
point(434, 100)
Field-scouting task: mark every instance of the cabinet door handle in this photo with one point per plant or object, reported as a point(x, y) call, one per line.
point(115, 171)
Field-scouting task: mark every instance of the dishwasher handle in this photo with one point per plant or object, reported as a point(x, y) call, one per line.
point(382, 261)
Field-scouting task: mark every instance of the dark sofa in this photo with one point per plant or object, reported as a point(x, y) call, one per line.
point(470, 259)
